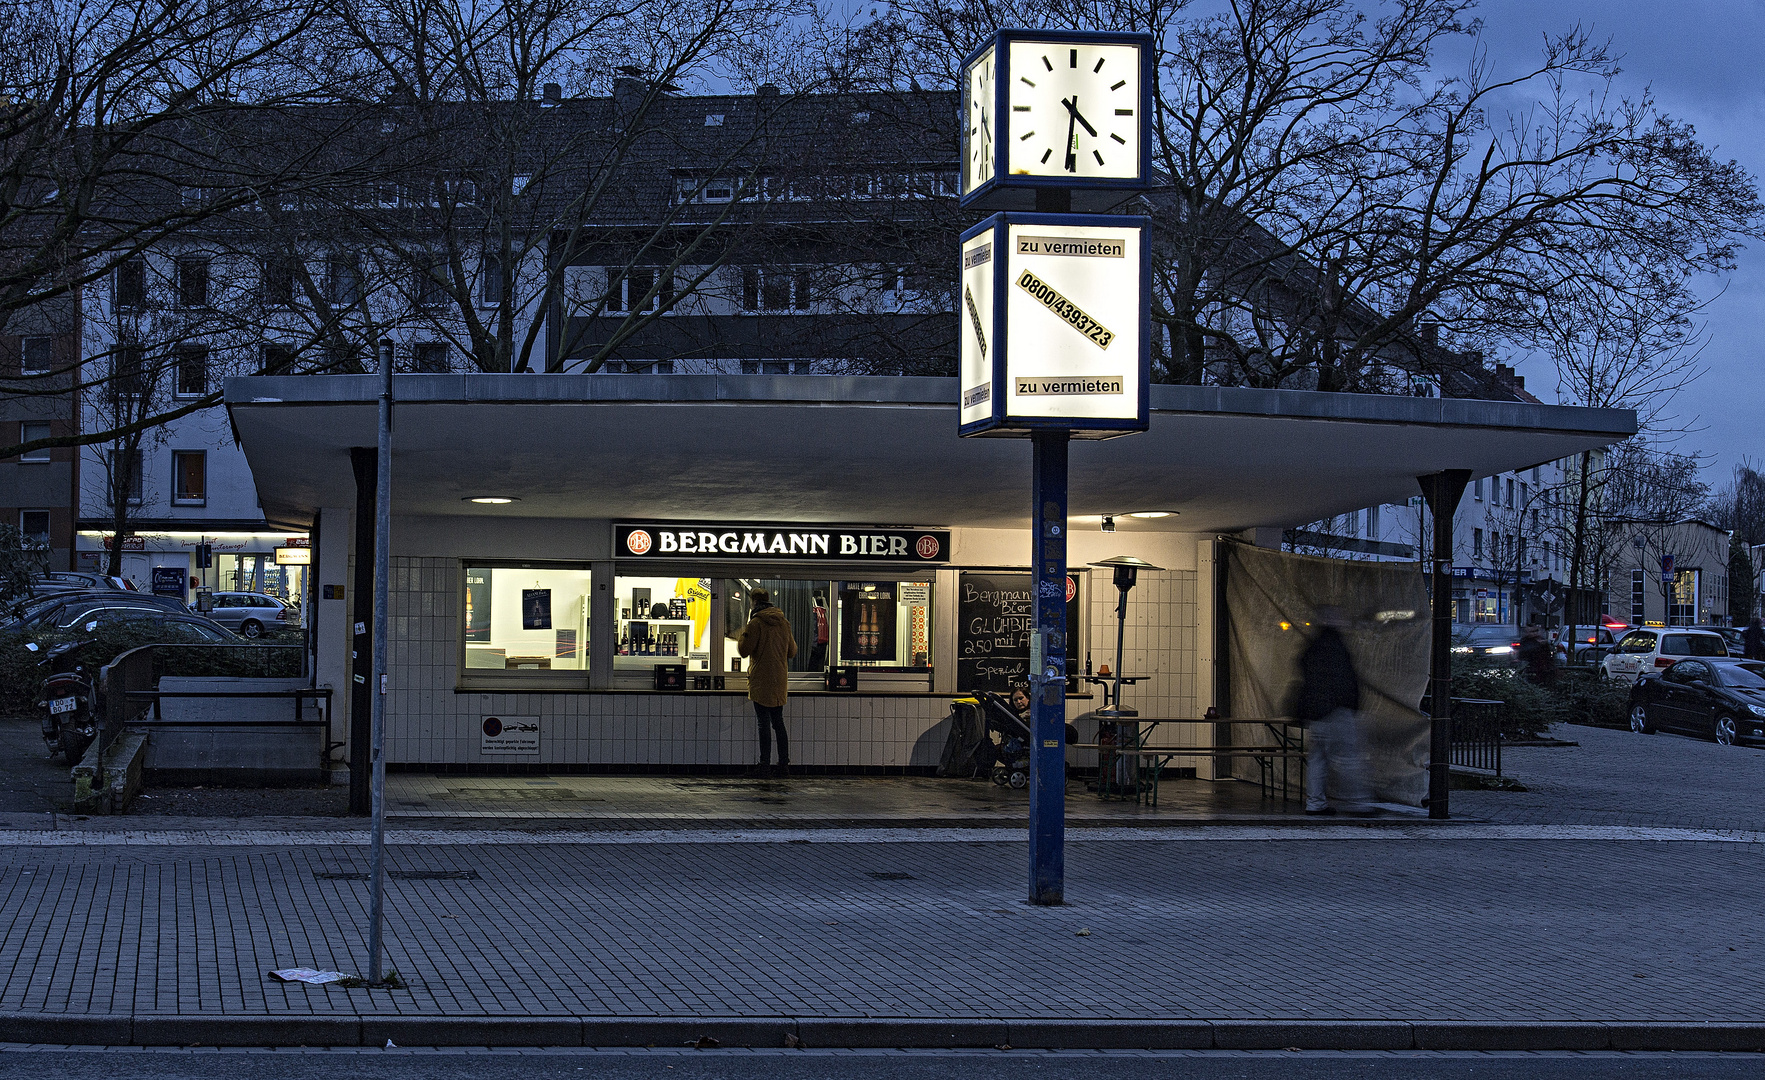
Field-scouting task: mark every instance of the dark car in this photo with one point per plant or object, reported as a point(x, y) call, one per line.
point(1489, 641)
point(165, 625)
point(61, 612)
point(1730, 634)
point(78, 581)
point(1718, 699)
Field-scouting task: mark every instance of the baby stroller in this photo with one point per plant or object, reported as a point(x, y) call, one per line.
point(972, 749)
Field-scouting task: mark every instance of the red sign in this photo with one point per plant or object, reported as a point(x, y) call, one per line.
point(638, 542)
point(927, 547)
point(1072, 589)
point(130, 543)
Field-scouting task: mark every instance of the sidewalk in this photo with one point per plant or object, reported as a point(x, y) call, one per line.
point(1570, 932)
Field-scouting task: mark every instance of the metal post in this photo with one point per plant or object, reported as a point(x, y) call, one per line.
point(1048, 671)
point(382, 559)
point(1442, 491)
point(361, 642)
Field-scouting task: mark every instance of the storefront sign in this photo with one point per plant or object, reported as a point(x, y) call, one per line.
point(294, 556)
point(168, 581)
point(1055, 334)
point(509, 735)
point(672, 540)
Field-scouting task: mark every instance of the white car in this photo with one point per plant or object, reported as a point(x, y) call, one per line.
point(1654, 648)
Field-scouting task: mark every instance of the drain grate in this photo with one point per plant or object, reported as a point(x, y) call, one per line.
point(890, 875)
point(401, 875)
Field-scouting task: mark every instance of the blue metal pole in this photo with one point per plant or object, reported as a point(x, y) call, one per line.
point(1048, 671)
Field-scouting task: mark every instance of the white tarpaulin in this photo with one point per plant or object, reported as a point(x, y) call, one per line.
point(1272, 598)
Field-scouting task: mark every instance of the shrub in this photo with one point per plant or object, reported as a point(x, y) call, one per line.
point(1578, 697)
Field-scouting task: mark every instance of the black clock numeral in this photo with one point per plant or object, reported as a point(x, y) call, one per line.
point(1099, 66)
point(1119, 85)
point(1025, 135)
point(1072, 58)
point(1124, 112)
point(1049, 64)
point(1020, 108)
point(1098, 156)
point(1025, 79)
point(1118, 138)
point(1046, 154)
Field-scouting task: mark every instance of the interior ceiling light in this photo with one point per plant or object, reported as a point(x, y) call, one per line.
point(490, 500)
point(1147, 514)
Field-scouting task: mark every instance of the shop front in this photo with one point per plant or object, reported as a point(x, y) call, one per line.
point(567, 590)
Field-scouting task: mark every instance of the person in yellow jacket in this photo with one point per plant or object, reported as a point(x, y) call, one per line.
point(768, 644)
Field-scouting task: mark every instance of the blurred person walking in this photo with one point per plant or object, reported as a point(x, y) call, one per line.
point(1752, 640)
point(1329, 708)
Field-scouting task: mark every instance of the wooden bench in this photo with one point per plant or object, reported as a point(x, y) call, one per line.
point(1160, 756)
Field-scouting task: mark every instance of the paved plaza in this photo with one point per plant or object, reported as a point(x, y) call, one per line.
point(1621, 889)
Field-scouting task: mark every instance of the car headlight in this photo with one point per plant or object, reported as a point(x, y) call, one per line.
point(1501, 650)
point(1756, 710)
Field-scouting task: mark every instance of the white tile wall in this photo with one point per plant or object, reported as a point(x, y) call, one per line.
point(1160, 642)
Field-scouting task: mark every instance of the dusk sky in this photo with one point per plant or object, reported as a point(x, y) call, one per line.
point(1705, 61)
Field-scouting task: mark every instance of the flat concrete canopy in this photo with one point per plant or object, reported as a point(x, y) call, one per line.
point(871, 450)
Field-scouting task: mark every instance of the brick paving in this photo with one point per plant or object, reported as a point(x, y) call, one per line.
point(1387, 929)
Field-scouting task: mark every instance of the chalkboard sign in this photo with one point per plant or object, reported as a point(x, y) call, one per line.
point(995, 614)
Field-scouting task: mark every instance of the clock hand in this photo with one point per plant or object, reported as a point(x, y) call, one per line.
point(985, 128)
point(1073, 107)
point(1072, 157)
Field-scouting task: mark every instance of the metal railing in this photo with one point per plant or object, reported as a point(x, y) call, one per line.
point(128, 686)
point(1476, 733)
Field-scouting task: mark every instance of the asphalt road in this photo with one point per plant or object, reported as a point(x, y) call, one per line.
point(892, 1065)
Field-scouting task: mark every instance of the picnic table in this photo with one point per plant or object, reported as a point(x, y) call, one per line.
point(1129, 766)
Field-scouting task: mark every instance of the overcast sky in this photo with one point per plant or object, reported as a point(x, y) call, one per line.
point(1705, 60)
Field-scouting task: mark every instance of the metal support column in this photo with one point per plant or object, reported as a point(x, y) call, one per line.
point(1442, 491)
point(1048, 647)
point(361, 608)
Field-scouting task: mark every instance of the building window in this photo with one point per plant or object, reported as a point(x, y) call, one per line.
point(429, 287)
point(776, 288)
point(777, 367)
point(1351, 523)
point(277, 359)
point(639, 289)
point(33, 527)
point(189, 477)
point(490, 281)
point(345, 275)
point(280, 275)
point(1510, 493)
point(524, 623)
point(1476, 543)
point(130, 375)
point(1683, 611)
point(31, 431)
point(37, 355)
point(131, 284)
point(193, 281)
point(123, 473)
point(192, 365)
point(1372, 522)
point(1477, 489)
point(430, 359)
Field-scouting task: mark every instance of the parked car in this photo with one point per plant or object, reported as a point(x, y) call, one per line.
point(168, 626)
point(1653, 648)
point(59, 581)
point(1591, 642)
point(1717, 699)
point(1730, 635)
point(62, 612)
point(251, 614)
point(1489, 641)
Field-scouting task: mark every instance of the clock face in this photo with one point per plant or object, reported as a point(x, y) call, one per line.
point(1074, 110)
point(977, 134)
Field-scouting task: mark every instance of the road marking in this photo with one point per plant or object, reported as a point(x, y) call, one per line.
point(1124, 834)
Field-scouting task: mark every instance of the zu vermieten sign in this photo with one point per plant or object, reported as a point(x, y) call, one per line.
point(1054, 328)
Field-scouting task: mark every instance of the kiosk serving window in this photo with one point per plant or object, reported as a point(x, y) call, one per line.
point(662, 620)
point(525, 621)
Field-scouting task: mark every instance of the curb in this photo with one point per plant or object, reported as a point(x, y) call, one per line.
point(873, 1033)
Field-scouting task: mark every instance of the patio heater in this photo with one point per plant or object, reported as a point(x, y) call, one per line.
point(1127, 572)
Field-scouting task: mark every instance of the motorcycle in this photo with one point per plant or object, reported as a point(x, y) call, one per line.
point(70, 714)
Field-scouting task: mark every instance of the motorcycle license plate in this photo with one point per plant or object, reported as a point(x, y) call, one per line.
point(66, 704)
